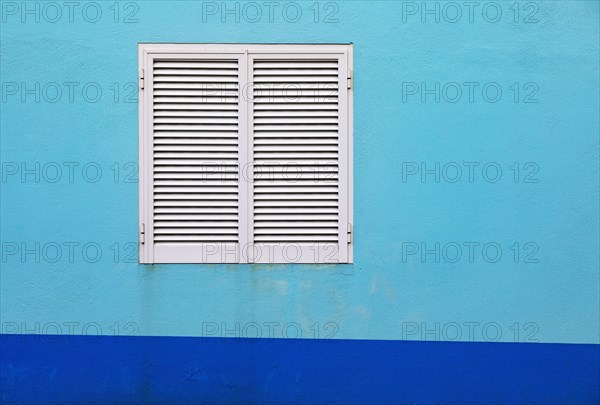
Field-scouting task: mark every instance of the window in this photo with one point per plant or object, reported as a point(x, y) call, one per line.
point(245, 153)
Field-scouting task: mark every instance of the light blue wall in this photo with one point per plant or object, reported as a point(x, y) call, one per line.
point(381, 296)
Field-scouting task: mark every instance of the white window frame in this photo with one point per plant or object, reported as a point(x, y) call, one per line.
point(245, 53)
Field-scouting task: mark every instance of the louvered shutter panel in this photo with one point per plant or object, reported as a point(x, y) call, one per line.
point(300, 153)
point(245, 153)
point(194, 122)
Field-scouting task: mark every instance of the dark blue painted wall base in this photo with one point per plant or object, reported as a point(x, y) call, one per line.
point(180, 370)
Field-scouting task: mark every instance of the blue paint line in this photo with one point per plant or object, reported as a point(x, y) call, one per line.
point(185, 370)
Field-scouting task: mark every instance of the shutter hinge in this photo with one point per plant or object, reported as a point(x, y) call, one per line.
point(350, 232)
point(349, 78)
point(142, 233)
point(141, 79)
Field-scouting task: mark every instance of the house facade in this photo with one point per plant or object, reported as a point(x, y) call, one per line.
point(474, 267)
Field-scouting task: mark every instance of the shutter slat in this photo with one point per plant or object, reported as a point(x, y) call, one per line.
point(213, 177)
point(209, 80)
point(295, 168)
point(207, 95)
point(183, 71)
point(191, 189)
point(293, 196)
point(300, 224)
point(196, 100)
point(187, 86)
point(272, 146)
point(295, 127)
point(295, 100)
point(297, 141)
point(293, 178)
point(196, 210)
point(294, 64)
point(296, 72)
point(185, 218)
point(312, 238)
point(195, 161)
point(291, 155)
point(196, 120)
point(260, 108)
point(195, 170)
point(191, 158)
point(290, 93)
point(210, 179)
point(276, 79)
point(196, 223)
point(192, 203)
point(195, 193)
point(199, 107)
point(232, 128)
point(265, 218)
point(213, 64)
point(295, 210)
point(196, 113)
point(294, 113)
point(193, 148)
point(308, 119)
point(211, 238)
point(296, 134)
point(294, 229)
point(201, 230)
point(192, 142)
point(276, 202)
point(196, 134)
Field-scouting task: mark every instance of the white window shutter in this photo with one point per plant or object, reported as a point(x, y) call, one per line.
point(191, 158)
point(300, 135)
point(245, 153)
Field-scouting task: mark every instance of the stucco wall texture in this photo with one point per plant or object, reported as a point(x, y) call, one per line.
point(476, 163)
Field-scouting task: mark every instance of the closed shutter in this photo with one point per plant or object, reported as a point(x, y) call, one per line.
point(194, 148)
point(299, 115)
point(245, 154)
